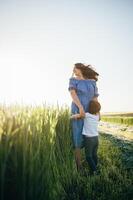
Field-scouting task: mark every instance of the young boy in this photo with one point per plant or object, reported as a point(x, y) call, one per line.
point(90, 132)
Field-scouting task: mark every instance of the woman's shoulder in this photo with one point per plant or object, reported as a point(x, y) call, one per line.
point(73, 79)
point(76, 79)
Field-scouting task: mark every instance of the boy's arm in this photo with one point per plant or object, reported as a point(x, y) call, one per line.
point(76, 116)
point(99, 116)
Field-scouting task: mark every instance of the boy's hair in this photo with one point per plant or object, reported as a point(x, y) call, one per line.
point(94, 107)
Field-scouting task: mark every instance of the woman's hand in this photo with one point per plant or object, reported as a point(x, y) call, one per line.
point(95, 99)
point(81, 111)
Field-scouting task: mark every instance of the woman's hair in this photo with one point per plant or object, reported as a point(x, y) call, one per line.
point(94, 107)
point(87, 71)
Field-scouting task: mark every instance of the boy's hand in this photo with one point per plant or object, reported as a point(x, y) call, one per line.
point(77, 116)
point(99, 116)
point(71, 117)
point(74, 116)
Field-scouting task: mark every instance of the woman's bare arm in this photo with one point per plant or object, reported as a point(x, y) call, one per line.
point(75, 98)
point(77, 102)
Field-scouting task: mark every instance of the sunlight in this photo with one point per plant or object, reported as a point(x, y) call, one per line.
point(23, 84)
point(39, 47)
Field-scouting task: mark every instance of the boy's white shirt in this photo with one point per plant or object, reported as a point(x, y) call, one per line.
point(90, 127)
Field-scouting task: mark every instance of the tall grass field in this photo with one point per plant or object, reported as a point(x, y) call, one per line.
point(126, 118)
point(37, 159)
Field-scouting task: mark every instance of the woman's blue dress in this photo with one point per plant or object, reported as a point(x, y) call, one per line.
point(86, 89)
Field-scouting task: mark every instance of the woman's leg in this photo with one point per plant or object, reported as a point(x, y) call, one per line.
point(78, 158)
point(78, 141)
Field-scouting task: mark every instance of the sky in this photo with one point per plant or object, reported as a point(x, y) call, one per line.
point(41, 40)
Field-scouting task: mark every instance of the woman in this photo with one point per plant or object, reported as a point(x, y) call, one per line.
point(83, 89)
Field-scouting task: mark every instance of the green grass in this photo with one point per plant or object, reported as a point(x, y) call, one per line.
point(118, 119)
point(37, 160)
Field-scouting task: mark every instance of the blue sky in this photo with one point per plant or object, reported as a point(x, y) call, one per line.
point(41, 40)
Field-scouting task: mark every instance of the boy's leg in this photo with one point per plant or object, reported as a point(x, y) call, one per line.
point(89, 146)
point(95, 150)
